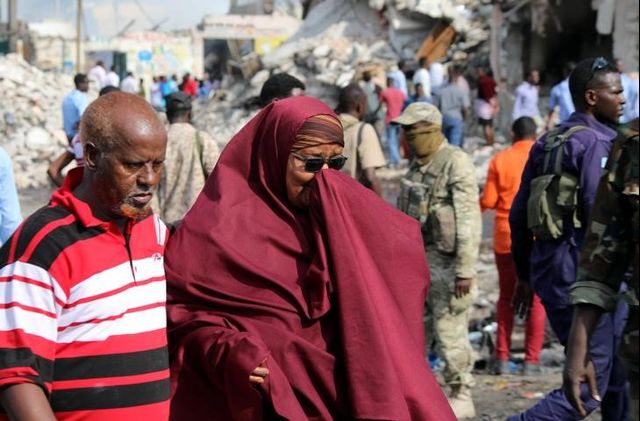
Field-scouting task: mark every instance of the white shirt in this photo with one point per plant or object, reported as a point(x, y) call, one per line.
point(98, 74)
point(112, 79)
point(129, 84)
point(436, 71)
point(423, 77)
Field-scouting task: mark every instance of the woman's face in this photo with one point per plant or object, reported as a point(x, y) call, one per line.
point(297, 179)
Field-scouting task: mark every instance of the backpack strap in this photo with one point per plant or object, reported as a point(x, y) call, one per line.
point(556, 138)
point(359, 137)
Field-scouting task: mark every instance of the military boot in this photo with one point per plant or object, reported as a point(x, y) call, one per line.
point(461, 402)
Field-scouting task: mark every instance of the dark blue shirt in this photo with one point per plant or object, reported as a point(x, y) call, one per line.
point(550, 266)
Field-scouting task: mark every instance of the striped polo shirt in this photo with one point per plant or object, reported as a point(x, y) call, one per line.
point(82, 312)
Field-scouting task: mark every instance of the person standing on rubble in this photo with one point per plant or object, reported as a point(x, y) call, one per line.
point(361, 143)
point(560, 97)
point(631, 94)
point(112, 78)
point(422, 77)
point(393, 98)
point(156, 97)
point(440, 191)
point(375, 113)
point(526, 98)
point(399, 76)
point(453, 105)
point(503, 181)
point(190, 158)
point(130, 84)
point(98, 74)
point(279, 86)
point(548, 224)
point(10, 216)
point(486, 105)
point(73, 106)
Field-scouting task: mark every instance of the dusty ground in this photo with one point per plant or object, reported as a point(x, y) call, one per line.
point(496, 397)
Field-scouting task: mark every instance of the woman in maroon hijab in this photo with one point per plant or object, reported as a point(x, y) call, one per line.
point(294, 292)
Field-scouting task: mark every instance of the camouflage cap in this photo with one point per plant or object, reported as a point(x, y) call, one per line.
point(419, 111)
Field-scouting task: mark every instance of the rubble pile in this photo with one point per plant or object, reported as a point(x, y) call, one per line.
point(31, 124)
point(337, 41)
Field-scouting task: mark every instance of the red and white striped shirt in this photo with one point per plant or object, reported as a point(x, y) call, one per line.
point(82, 312)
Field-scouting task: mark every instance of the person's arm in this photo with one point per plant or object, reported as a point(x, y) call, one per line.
point(210, 152)
point(607, 250)
point(521, 235)
point(489, 198)
point(26, 402)
point(10, 216)
point(466, 104)
point(28, 333)
point(55, 168)
point(371, 157)
point(374, 183)
point(522, 242)
point(464, 188)
point(228, 358)
point(578, 367)
point(592, 168)
point(553, 103)
point(517, 106)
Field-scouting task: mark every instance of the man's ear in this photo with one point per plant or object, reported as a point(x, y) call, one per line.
point(590, 97)
point(91, 156)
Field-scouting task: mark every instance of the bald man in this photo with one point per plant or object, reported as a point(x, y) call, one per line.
point(82, 287)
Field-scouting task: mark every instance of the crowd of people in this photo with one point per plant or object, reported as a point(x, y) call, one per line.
point(168, 280)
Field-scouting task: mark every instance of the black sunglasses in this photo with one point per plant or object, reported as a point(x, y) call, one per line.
point(315, 163)
point(598, 64)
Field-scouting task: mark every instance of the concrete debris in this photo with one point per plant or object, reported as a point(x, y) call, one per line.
point(31, 127)
point(337, 41)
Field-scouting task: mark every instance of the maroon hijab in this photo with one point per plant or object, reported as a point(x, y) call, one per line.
point(331, 298)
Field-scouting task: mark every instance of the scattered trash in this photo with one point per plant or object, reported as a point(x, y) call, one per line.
point(532, 395)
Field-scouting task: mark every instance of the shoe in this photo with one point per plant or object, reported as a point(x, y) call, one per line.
point(531, 369)
point(461, 402)
point(500, 367)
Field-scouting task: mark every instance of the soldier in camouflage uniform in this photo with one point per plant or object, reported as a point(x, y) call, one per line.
point(441, 192)
point(190, 158)
point(611, 248)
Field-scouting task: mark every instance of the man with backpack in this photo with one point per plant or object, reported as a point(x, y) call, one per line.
point(609, 254)
point(548, 221)
point(361, 142)
point(190, 158)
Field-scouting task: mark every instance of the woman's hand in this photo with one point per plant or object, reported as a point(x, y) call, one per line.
point(259, 374)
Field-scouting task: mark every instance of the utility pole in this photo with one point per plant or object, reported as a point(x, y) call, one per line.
point(13, 25)
point(78, 33)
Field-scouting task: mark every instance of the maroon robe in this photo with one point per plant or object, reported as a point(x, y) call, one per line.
point(331, 298)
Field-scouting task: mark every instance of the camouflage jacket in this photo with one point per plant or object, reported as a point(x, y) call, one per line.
point(611, 243)
point(443, 196)
point(190, 158)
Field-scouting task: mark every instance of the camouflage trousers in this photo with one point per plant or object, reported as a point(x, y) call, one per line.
point(447, 319)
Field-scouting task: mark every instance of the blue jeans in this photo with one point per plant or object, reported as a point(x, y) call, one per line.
point(452, 128)
point(392, 133)
point(610, 375)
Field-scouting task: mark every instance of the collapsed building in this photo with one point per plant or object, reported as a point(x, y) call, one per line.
point(325, 43)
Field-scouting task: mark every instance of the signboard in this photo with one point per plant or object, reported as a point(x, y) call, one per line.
point(145, 55)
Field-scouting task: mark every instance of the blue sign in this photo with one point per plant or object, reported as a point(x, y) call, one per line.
point(145, 55)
